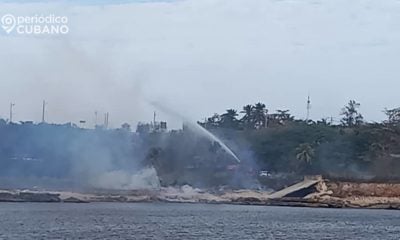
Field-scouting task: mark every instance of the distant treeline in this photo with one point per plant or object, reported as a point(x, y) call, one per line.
point(274, 142)
point(281, 143)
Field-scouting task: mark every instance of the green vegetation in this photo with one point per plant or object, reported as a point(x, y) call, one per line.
point(273, 142)
point(280, 143)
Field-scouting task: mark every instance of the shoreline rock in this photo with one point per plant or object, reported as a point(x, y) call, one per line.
point(28, 197)
point(312, 192)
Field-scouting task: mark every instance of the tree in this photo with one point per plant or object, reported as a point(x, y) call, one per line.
point(393, 115)
point(284, 115)
point(305, 153)
point(248, 118)
point(324, 122)
point(213, 121)
point(260, 115)
point(126, 127)
point(228, 119)
point(351, 116)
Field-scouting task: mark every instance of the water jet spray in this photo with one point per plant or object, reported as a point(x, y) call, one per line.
point(197, 128)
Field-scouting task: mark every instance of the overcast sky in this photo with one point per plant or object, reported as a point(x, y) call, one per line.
point(202, 56)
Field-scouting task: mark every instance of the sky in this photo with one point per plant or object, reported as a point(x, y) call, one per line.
point(200, 57)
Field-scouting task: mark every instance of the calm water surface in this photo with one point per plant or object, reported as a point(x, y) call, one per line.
point(191, 221)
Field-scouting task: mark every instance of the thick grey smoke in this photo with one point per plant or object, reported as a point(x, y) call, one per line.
point(65, 156)
point(143, 179)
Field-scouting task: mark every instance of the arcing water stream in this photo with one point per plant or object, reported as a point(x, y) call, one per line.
point(196, 128)
point(204, 132)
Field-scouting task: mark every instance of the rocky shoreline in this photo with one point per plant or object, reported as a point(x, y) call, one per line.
point(312, 192)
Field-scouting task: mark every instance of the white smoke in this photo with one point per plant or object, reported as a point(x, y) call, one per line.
point(121, 180)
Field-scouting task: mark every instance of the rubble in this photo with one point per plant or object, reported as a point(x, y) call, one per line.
point(311, 192)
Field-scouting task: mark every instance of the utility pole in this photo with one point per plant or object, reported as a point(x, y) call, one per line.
point(308, 107)
point(11, 111)
point(106, 115)
point(43, 111)
point(95, 119)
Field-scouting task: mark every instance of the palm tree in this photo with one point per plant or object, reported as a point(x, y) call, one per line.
point(260, 115)
point(248, 118)
point(305, 153)
point(228, 119)
point(351, 116)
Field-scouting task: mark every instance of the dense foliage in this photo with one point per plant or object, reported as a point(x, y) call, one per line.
point(274, 142)
point(281, 143)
